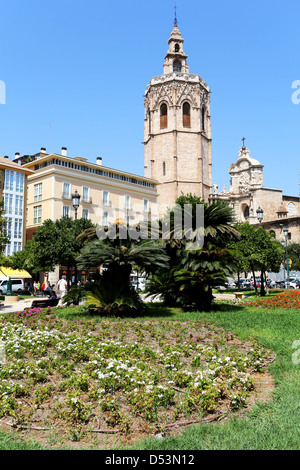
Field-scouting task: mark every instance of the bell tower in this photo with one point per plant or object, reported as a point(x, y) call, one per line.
point(177, 129)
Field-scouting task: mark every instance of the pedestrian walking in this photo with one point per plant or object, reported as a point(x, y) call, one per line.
point(62, 287)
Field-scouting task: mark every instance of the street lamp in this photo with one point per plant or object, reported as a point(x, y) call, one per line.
point(76, 200)
point(260, 214)
point(285, 233)
point(284, 277)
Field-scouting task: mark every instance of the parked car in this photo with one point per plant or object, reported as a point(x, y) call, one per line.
point(17, 285)
point(232, 285)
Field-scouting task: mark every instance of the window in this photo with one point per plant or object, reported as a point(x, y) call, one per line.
point(38, 188)
point(21, 182)
point(177, 66)
point(9, 222)
point(85, 194)
point(37, 214)
point(66, 191)
point(146, 205)
point(9, 180)
point(19, 205)
point(66, 211)
point(246, 212)
point(176, 47)
point(105, 198)
point(17, 247)
point(203, 119)
point(127, 202)
point(164, 168)
point(105, 219)
point(186, 109)
point(292, 210)
point(85, 213)
point(127, 219)
point(149, 119)
point(18, 181)
point(163, 116)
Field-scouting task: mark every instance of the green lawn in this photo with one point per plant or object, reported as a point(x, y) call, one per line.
point(270, 426)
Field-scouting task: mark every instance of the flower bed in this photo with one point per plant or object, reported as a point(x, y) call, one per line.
point(286, 299)
point(98, 377)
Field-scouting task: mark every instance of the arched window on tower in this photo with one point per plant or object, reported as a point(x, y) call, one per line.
point(164, 168)
point(149, 119)
point(176, 47)
point(203, 119)
point(246, 212)
point(163, 116)
point(186, 110)
point(177, 66)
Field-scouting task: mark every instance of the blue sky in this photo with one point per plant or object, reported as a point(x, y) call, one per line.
point(76, 70)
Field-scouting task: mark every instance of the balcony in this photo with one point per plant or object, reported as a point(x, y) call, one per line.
point(86, 200)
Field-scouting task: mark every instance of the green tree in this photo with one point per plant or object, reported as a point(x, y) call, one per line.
point(294, 255)
point(3, 235)
point(55, 243)
point(25, 259)
point(192, 273)
point(257, 250)
point(118, 256)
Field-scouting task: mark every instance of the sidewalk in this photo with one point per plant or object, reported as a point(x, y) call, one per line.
point(9, 306)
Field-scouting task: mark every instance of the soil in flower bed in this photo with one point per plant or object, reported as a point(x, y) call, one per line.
point(103, 383)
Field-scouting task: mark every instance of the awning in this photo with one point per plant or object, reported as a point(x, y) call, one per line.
point(14, 273)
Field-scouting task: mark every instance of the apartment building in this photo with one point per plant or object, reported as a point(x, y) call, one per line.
point(13, 184)
point(106, 194)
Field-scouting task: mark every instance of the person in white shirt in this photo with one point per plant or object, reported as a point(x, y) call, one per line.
point(62, 286)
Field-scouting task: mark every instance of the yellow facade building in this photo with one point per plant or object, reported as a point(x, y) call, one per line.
point(106, 194)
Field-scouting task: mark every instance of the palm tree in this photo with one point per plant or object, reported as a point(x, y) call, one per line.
point(118, 257)
point(192, 273)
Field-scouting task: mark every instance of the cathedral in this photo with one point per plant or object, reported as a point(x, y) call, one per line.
point(177, 150)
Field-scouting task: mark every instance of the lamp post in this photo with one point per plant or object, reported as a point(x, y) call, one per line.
point(76, 201)
point(260, 214)
point(283, 245)
point(285, 233)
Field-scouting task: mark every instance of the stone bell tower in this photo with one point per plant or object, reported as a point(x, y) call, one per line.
point(177, 129)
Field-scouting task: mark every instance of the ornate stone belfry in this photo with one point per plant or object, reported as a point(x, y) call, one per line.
point(177, 129)
point(246, 174)
point(246, 192)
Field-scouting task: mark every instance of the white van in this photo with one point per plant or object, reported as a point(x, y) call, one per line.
point(17, 285)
